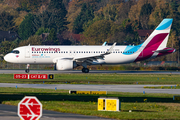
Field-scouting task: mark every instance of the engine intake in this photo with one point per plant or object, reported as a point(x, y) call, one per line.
point(65, 64)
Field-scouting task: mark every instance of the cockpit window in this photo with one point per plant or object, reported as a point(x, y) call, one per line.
point(15, 51)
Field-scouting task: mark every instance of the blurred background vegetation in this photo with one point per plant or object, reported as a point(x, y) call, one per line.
point(85, 22)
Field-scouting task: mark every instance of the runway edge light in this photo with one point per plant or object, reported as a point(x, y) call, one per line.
point(109, 104)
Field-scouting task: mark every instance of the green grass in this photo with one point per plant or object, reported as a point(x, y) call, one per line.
point(163, 87)
point(148, 106)
point(98, 79)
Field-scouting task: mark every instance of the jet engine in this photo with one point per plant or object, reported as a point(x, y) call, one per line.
point(65, 64)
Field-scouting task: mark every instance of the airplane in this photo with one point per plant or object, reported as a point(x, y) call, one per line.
point(69, 57)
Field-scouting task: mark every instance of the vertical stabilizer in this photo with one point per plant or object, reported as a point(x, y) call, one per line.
point(159, 37)
point(157, 41)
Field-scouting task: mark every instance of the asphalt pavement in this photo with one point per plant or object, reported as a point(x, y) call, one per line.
point(9, 112)
point(91, 71)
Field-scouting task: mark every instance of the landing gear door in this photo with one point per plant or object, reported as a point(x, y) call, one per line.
point(27, 52)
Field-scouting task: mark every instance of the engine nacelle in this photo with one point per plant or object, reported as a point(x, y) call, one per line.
point(65, 64)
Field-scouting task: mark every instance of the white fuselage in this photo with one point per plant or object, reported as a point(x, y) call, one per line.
point(48, 54)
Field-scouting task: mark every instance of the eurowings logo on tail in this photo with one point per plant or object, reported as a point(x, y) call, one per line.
point(155, 44)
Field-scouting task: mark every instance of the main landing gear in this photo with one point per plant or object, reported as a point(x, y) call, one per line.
point(27, 68)
point(85, 70)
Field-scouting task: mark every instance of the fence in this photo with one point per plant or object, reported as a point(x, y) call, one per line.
point(131, 66)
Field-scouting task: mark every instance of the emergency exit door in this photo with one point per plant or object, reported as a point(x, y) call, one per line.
point(27, 52)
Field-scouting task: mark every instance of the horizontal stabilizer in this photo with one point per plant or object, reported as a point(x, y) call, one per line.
point(164, 50)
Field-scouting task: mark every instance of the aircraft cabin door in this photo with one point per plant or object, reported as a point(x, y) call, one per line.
point(27, 52)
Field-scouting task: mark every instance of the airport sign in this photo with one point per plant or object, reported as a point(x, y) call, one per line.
point(29, 108)
point(20, 76)
point(33, 76)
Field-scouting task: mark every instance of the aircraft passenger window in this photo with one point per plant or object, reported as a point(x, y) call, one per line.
point(94, 52)
point(84, 51)
point(32, 52)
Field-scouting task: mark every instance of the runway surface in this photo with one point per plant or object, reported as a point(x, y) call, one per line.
point(117, 88)
point(93, 71)
point(8, 112)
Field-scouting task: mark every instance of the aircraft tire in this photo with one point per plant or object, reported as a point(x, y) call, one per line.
point(27, 70)
point(83, 70)
point(86, 70)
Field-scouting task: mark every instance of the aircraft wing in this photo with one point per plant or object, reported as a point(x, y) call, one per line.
point(89, 59)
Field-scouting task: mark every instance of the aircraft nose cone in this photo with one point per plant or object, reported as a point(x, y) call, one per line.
point(7, 58)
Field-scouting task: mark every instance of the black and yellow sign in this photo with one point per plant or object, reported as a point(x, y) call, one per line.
point(101, 104)
point(176, 97)
point(109, 104)
point(51, 76)
point(88, 92)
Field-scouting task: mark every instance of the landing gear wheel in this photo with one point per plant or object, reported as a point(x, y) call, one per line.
point(27, 70)
point(85, 70)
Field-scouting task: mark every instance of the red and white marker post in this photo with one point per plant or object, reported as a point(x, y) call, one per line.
point(29, 108)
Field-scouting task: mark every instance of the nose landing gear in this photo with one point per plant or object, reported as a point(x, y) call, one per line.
point(27, 68)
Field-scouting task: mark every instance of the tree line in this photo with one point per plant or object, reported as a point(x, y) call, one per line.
point(96, 20)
